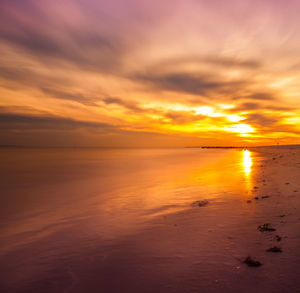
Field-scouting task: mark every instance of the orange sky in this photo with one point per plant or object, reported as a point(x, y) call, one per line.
point(149, 73)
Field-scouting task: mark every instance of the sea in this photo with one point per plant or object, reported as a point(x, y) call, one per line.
point(132, 220)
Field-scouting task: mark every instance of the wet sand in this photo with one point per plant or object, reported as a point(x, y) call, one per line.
point(146, 232)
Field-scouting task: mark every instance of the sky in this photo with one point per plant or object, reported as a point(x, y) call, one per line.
point(137, 73)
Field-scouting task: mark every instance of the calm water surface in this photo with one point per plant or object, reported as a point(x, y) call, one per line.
point(122, 220)
point(119, 189)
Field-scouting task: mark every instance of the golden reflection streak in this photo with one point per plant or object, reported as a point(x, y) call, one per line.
point(247, 162)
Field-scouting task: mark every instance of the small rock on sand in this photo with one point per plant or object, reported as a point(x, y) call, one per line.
point(251, 262)
point(274, 249)
point(265, 227)
point(200, 203)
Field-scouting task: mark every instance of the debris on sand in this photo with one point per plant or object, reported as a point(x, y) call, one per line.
point(295, 190)
point(265, 196)
point(287, 183)
point(256, 197)
point(249, 201)
point(278, 238)
point(274, 249)
point(200, 203)
point(282, 216)
point(265, 227)
point(251, 262)
point(255, 187)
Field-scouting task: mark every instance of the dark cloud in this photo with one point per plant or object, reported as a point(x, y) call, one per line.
point(247, 106)
point(256, 96)
point(17, 121)
point(123, 103)
point(20, 109)
point(188, 83)
point(262, 96)
point(288, 129)
point(169, 75)
point(19, 77)
point(262, 120)
point(94, 52)
point(233, 62)
point(49, 85)
point(253, 106)
point(222, 62)
point(182, 117)
point(80, 98)
point(52, 40)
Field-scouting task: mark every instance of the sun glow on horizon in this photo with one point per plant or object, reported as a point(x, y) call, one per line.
point(241, 128)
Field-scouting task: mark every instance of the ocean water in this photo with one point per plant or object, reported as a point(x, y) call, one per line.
point(125, 220)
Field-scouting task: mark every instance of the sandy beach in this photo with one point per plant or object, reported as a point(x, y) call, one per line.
point(181, 220)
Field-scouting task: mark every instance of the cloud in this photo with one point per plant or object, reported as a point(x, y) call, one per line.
point(51, 39)
point(261, 96)
point(183, 117)
point(18, 77)
point(262, 120)
point(18, 121)
point(130, 105)
point(201, 61)
point(77, 97)
point(233, 62)
point(195, 84)
point(253, 106)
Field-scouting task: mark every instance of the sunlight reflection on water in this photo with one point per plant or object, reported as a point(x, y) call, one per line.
point(247, 162)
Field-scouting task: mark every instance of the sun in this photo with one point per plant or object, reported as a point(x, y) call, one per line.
point(241, 128)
